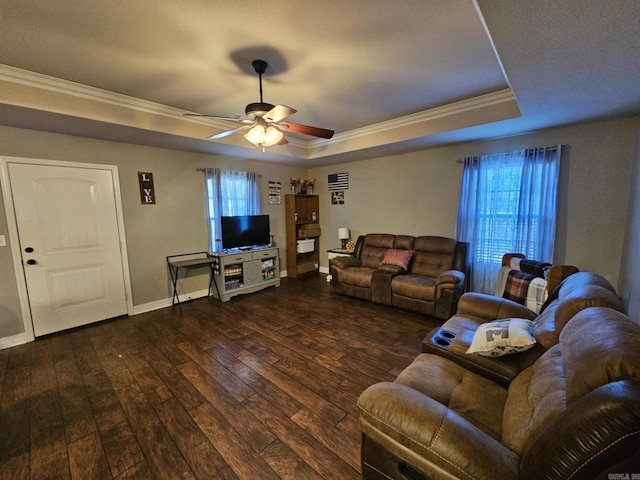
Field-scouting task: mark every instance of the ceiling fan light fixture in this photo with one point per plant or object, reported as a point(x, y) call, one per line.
point(266, 119)
point(263, 137)
point(255, 135)
point(272, 136)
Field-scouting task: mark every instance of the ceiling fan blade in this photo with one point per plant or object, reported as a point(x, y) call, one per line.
point(306, 130)
point(234, 118)
point(278, 113)
point(220, 135)
point(283, 141)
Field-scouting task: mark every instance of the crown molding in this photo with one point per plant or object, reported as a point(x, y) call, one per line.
point(463, 106)
point(78, 90)
point(343, 140)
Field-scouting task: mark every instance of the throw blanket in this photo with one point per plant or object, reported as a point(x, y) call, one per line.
point(536, 295)
point(539, 269)
point(517, 286)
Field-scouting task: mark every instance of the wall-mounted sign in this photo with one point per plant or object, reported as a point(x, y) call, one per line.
point(275, 189)
point(147, 194)
point(338, 181)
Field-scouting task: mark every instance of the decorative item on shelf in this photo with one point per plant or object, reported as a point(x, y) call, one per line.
point(303, 186)
point(343, 235)
point(272, 239)
point(314, 216)
point(218, 244)
point(351, 245)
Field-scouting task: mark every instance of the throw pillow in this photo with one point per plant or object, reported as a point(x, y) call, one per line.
point(502, 337)
point(399, 258)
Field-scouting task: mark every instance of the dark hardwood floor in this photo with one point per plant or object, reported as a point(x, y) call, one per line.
point(261, 387)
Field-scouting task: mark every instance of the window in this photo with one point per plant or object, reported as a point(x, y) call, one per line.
point(507, 204)
point(229, 193)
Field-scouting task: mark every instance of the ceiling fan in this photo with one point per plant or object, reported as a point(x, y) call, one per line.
point(263, 122)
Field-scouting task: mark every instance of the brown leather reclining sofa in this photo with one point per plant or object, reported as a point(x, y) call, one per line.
point(569, 408)
point(430, 281)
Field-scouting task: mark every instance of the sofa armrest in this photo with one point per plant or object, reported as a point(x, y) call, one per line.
point(343, 262)
point(381, 283)
point(452, 277)
point(430, 436)
point(490, 307)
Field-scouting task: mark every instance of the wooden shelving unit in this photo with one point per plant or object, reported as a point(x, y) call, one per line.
point(302, 223)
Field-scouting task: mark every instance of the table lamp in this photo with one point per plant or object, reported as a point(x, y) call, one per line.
point(343, 235)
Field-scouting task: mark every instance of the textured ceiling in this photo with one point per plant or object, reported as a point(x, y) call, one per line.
point(387, 76)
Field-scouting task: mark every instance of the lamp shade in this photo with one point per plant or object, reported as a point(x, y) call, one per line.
point(343, 233)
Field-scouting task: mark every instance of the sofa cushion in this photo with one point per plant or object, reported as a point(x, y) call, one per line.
point(536, 398)
point(459, 389)
point(398, 258)
point(433, 255)
point(357, 276)
point(404, 242)
point(374, 248)
point(414, 286)
point(609, 339)
point(574, 298)
point(502, 337)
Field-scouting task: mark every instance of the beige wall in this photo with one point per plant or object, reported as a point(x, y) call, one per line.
point(630, 260)
point(414, 193)
point(417, 193)
point(175, 224)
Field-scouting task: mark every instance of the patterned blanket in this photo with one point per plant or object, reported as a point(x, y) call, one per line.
point(539, 269)
point(517, 286)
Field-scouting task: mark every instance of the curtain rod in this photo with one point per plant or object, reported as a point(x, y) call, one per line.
point(202, 169)
point(562, 147)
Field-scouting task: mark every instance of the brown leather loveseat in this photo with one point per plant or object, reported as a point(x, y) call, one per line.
point(570, 411)
point(424, 274)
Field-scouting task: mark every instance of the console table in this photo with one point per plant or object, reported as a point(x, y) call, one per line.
point(245, 271)
point(187, 261)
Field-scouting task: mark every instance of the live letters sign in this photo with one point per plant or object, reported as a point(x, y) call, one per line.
point(147, 195)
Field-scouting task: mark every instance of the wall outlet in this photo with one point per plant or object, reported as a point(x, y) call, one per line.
point(3, 241)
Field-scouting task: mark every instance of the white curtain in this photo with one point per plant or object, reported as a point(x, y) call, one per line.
point(229, 193)
point(507, 204)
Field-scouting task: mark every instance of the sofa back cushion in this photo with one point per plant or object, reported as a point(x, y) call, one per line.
point(374, 248)
point(598, 346)
point(579, 291)
point(599, 427)
point(433, 255)
point(536, 396)
point(404, 242)
point(584, 278)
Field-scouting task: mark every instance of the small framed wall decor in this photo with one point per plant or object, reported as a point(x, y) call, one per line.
point(275, 193)
point(337, 197)
point(147, 193)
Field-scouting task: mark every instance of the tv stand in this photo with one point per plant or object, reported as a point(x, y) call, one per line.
point(245, 271)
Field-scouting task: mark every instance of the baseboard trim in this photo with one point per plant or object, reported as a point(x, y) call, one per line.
point(14, 340)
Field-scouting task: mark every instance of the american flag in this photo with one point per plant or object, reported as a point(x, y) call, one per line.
point(338, 181)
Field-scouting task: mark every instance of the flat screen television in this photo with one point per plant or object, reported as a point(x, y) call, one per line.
point(245, 231)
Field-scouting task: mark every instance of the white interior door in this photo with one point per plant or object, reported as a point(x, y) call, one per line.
point(70, 244)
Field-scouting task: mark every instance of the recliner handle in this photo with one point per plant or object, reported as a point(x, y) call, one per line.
point(410, 473)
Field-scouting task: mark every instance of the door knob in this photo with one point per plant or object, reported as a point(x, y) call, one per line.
point(31, 261)
point(28, 249)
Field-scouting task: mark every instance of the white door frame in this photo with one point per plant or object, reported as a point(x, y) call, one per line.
point(12, 226)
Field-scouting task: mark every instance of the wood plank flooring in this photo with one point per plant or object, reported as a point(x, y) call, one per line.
point(261, 387)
